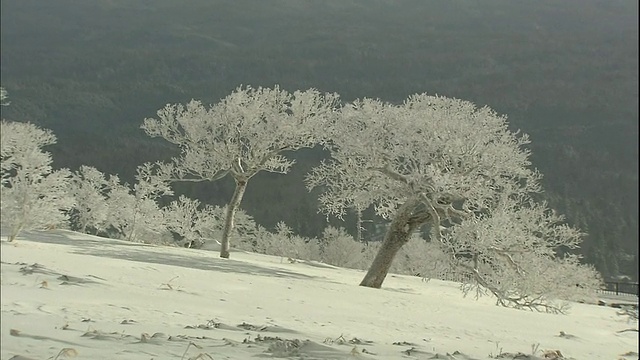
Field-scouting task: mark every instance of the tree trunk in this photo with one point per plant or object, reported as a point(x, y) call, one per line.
point(233, 206)
point(397, 235)
point(14, 232)
point(358, 225)
point(133, 226)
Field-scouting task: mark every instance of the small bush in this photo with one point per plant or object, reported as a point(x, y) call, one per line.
point(281, 243)
point(422, 258)
point(339, 248)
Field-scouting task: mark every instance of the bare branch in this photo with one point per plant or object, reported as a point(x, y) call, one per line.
point(435, 217)
point(510, 260)
point(537, 303)
point(390, 173)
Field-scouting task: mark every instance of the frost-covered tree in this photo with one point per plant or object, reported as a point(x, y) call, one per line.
point(33, 195)
point(133, 212)
point(191, 221)
point(431, 160)
point(89, 187)
point(120, 209)
point(246, 132)
point(182, 217)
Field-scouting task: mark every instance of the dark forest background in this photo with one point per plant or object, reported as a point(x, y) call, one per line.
point(565, 72)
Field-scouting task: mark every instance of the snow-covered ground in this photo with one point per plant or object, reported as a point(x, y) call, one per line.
point(109, 299)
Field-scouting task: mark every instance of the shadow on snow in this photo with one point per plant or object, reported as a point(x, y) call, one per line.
point(145, 253)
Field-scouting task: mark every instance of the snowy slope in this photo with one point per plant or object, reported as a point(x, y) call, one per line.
point(109, 299)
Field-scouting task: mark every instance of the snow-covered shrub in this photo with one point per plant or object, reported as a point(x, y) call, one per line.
point(422, 258)
point(339, 248)
point(131, 218)
point(133, 213)
point(367, 254)
point(89, 187)
point(255, 242)
point(201, 226)
point(33, 195)
point(244, 232)
point(284, 243)
point(187, 219)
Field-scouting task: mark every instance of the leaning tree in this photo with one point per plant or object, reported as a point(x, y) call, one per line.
point(249, 131)
point(431, 160)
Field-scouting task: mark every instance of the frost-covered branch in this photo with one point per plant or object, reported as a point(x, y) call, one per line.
point(513, 251)
point(388, 171)
point(245, 132)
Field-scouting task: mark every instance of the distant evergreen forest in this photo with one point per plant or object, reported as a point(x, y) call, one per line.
point(565, 72)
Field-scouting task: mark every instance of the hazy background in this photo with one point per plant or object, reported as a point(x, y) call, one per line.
point(565, 72)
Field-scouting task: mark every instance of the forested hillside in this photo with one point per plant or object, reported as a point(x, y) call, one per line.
point(564, 72)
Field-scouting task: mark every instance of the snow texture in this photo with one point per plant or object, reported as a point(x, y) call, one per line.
point(65, 292)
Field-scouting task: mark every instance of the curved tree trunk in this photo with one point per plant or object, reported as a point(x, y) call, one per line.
point(397, 235)
point(233, 206)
